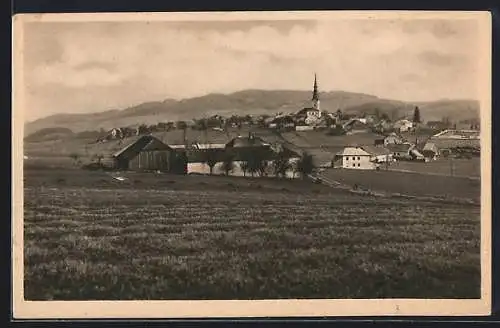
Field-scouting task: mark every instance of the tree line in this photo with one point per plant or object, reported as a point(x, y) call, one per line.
point(256, 163)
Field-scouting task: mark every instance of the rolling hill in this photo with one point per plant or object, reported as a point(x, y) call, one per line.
point(250, 102)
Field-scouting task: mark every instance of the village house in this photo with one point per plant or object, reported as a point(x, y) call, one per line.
point(403, 125)
point(393, 139)
point(116, 133)
point(147, 153)
point(362, 158)
point(282, 122)
point(356, 125)
point(430, 151)
point(437, 125)
point(405, 151)
point(383, 126)
point(379, 154)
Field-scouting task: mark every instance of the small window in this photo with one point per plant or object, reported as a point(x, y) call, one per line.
point(359, 158)
point(347, 158)
point(359, 165)
point(353, 158)
point(353, 165)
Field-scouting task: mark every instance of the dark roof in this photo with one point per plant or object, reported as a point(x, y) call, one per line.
point(249, 141)
point(399, 147)
point(144, 143)
point(377, 151)
point(198, 156)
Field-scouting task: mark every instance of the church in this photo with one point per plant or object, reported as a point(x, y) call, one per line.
point(311, 115)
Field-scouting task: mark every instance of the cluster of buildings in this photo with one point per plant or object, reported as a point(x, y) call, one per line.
point(313, 118)
point(150, 153)
point(237, 157)
point(448, 143)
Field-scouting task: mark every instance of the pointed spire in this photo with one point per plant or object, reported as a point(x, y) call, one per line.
point(315, 97)
point(315, 90)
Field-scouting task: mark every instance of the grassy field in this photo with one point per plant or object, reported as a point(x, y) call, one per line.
point(456, 167)
point(88, 237)
point(407, 183)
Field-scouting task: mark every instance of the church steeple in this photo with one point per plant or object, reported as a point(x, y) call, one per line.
point(315, 97)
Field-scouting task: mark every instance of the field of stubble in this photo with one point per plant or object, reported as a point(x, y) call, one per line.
point(93, 243)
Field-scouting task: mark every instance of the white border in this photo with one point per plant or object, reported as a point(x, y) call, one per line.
point(263, 308)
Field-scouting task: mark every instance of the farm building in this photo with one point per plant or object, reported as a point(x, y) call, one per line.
point(355, 126)
point(430, 151)
point(146, 153)
point(379, 154)
point(393, 139)
point(383, 126)
point(405, 151)
point(203, 161)
point(239, 152)
point(447, 146)
point(243, 150)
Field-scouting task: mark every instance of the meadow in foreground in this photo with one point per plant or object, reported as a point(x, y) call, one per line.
point(93, 243)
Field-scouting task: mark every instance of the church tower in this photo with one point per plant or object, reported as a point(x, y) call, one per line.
point(315, 97)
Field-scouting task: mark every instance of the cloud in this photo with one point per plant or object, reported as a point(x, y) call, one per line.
point(440, 59)
point(110, 67)
point(121, 64)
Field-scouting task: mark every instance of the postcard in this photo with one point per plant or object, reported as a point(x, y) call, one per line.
point(251, 164)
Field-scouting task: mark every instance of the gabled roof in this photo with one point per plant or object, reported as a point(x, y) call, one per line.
point(376, 151)
point(353, 151)
point(399, 147)
point(430, 146)
point(144, 143)
point(249, 141)
point(200, 155)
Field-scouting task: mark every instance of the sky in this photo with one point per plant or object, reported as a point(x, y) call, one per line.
point(85, 67)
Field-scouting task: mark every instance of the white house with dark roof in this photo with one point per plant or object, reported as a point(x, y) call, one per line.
point(362, 158)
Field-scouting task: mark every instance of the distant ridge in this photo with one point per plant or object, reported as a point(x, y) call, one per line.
point(251, 102)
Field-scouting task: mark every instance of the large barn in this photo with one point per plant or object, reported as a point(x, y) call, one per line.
point(146, 154)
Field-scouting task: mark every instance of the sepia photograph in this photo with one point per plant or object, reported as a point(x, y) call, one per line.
point(251, 164)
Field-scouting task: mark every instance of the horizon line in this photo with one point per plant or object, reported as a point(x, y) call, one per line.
point(251, 89)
